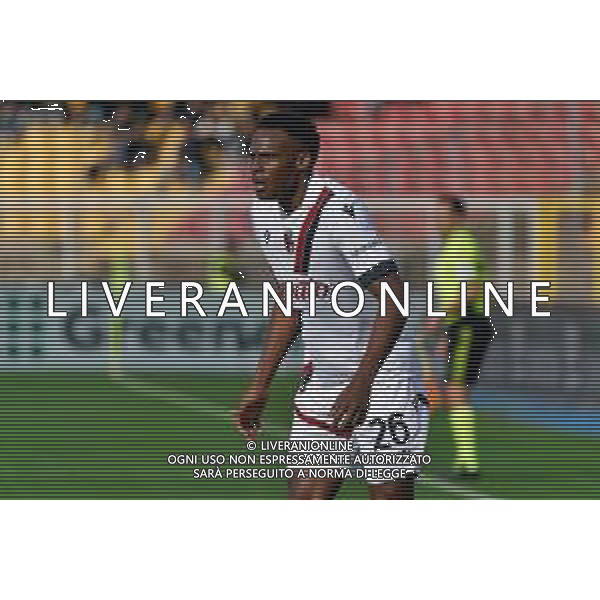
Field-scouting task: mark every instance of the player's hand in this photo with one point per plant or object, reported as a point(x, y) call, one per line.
point(248, 416)
point(351, 407)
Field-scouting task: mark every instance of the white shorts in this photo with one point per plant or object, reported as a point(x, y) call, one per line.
point(389, 445)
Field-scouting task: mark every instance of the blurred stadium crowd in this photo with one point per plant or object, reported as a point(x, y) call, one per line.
point(160, 183)
point(163, 183)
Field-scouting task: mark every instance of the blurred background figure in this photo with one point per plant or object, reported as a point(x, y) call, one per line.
point(460, 342)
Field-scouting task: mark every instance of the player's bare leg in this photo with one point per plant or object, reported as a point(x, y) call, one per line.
point(314, 489)
point(394, 490)
point(462, 418)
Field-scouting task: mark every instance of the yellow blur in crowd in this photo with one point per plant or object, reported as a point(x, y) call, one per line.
point(549, 252)
point(48, 189)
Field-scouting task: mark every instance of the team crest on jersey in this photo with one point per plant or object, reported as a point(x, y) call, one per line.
point(349, 210)
point(288, 240)
point(267, 236)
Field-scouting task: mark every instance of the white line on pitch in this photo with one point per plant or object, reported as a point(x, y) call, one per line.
point(455, 489)
point(179, 399)
point(194, 405)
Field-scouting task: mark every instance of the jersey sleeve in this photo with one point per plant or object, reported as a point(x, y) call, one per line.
point(356, 239)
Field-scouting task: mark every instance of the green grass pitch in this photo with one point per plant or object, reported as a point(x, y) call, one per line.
point(85, 435)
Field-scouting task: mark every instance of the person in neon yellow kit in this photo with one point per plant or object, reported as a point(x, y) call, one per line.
point(120, 271)
point(112, 227)
point(461, 340)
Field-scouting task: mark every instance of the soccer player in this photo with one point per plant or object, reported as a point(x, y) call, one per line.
point(359, 380)
point(462, 340)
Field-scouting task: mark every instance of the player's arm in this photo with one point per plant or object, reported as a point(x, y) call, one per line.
point(281, 333)
point(356, 239)
point(351, 406)
point(385, 332)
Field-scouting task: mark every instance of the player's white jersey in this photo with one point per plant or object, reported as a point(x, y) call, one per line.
point(328, 239)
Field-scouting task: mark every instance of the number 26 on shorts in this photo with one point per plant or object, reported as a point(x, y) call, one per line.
point(393, 429)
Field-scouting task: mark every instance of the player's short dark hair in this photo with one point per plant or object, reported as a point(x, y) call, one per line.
point(300, 128)
point(457, 205)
